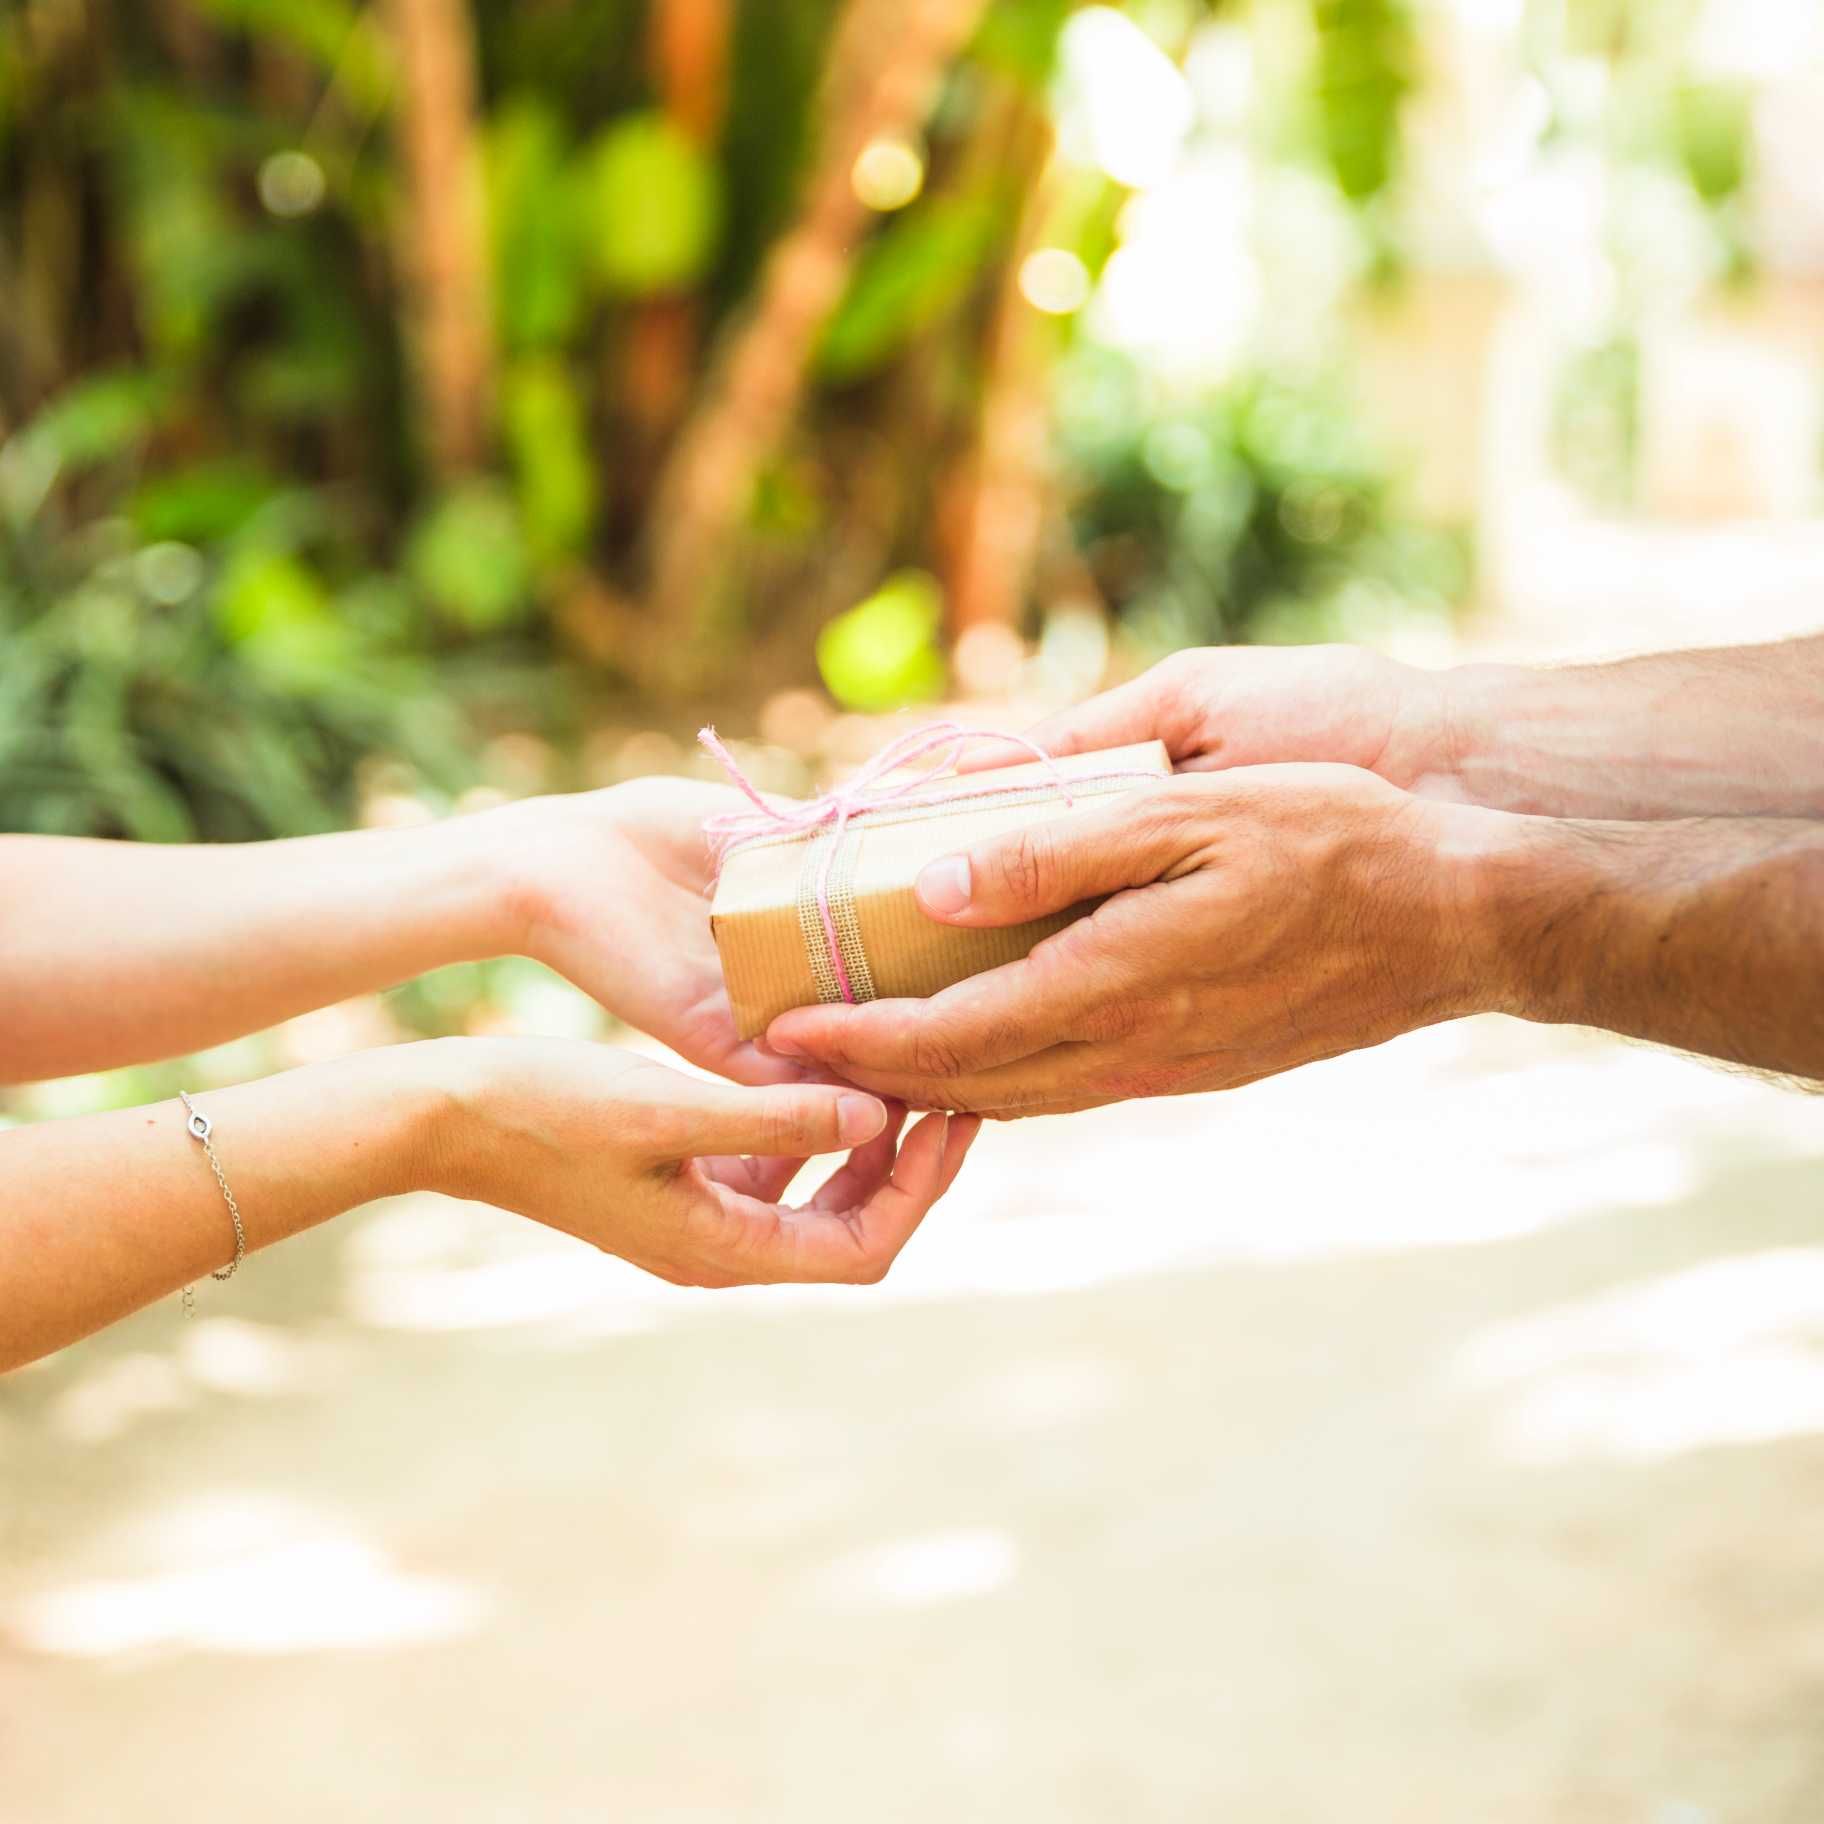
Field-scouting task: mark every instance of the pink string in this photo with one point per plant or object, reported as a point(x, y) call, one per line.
point(866, 791)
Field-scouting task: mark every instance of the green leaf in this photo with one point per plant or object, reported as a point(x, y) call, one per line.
point(98, 418)
point(655, 207)
point(910, 276)
point(883, 653)
point(196, 505)
point(548, 441)
point(535, 226)
point(1020, 38)
point(98, 721)
point(468, 556)
point(329, 32)
point(1714, 125)
point(277, 613)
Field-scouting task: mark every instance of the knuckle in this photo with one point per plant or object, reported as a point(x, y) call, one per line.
point(780, 1125)
point(830, 1044)
point(652, 1129)
point(1021, 866)
point(1184, 676)
point(934, 1056)
point(1167, 807)
point(1178, 666)
point(1113, 1021)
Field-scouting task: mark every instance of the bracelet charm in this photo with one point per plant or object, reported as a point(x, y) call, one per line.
point(201, 1129)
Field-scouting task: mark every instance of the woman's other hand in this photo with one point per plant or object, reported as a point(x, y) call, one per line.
point(679, 1176)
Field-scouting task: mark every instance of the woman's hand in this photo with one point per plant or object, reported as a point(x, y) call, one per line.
point(614, 890)
point(683, 1177)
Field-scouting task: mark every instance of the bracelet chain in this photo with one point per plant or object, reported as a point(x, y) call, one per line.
point(200, 1128)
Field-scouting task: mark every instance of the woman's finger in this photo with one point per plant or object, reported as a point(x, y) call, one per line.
point(866, 1169)
point(862, 1244)
point(696, 1119)
point(761, 1177)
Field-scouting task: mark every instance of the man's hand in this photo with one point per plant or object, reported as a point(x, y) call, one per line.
point(614, 895)
point(1224, 706)
point(1683, 734)
point(1259, 919)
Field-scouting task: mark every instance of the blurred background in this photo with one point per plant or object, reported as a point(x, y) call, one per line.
point(411, 405)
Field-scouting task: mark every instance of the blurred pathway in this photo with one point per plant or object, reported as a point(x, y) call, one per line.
point(1435, 1434)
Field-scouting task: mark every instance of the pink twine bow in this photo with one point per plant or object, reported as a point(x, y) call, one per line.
point(865, 791)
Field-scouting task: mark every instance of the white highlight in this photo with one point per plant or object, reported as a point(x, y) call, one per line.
point(243, 1574)
point(919, 1572)
point(1731, 1352)
point(1126, 106)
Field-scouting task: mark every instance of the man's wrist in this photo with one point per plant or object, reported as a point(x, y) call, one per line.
point(1471, 709)
point(1559, 906)
point(1506, 882)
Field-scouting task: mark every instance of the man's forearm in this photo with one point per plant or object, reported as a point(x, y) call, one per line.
point(116, 953)
point(1729, 733)
point(1705, 934)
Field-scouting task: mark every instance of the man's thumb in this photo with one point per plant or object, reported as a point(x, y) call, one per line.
point(1049, 866)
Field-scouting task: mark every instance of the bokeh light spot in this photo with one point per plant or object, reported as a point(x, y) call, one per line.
point(1055, 281)
point(291, 184)
point(888, 174)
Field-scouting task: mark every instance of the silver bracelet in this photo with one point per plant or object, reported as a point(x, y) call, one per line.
point(200, 1127)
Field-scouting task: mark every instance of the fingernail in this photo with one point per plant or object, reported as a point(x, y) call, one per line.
point(944, 886)
point(782, 1048)
point(858, 1119)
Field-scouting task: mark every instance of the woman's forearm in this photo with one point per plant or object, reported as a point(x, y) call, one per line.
point(675, 1173)
point(1735, 733)
point(117, 953)
point(103, 1214)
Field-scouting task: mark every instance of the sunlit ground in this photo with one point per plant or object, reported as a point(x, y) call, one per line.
point(1436, 1434)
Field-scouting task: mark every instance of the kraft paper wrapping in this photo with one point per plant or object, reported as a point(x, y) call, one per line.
point(769, 932)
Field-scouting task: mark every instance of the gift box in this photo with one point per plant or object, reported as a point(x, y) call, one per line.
point(827, 911)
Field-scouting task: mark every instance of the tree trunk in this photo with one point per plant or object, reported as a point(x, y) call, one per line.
point(442, 229)
point(886, 62)
point(1001, 498)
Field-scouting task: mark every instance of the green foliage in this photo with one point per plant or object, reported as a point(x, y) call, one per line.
point(914, 271)
point(201, 503)
point(101, 418)
point(884, 653)
point(153, 692)
point(1595, 427)
point(468, 556)
point(235, 552)
point(1712, 127)
point(330, 33)
point(1252, 513)
point(1365, 54)
point(655, 207)
point(542, 423)
point(1019, 38)
point(536, 223)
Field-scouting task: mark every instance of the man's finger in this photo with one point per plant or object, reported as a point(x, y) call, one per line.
point(1067, 989)
point(698, 1119)
point(1050, 866)
point(1150, 707)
